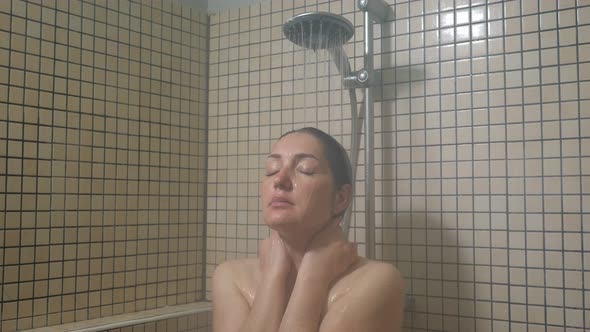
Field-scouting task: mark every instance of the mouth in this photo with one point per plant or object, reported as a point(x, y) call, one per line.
point(280, 202)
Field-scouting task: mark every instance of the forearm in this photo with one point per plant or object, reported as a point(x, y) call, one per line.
point(305, 307)
point(268, 307)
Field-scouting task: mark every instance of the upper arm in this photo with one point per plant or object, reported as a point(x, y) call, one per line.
point(375, 303)
point(229, 306)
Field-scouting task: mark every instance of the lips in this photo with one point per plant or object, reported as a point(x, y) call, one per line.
point(280, 202)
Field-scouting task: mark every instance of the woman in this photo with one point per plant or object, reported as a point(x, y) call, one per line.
point(307, 277)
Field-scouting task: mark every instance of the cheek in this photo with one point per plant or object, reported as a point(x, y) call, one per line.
point(265, 190)
point(318, 194)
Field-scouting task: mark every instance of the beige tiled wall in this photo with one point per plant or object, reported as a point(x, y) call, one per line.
point(482, 150)
point(194, 323)
point(102, 158)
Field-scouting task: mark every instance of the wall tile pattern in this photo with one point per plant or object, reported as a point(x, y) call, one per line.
point(102, 158)
point(193, 323)
point(482, 150)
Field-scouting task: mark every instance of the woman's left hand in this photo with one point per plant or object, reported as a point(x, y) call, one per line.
point(273, 258)
point(328, 255)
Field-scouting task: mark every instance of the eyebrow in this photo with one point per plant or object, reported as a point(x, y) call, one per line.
point(298, 156)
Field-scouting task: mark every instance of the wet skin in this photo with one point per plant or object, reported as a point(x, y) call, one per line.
point(307, 277)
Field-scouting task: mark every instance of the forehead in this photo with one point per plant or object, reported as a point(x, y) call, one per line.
point(297, 143)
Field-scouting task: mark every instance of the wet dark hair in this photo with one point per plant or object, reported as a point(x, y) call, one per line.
point(334, 152)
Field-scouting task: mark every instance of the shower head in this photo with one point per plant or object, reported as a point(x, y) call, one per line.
point(318, 30)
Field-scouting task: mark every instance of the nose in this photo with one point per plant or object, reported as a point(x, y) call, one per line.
point(282, 180)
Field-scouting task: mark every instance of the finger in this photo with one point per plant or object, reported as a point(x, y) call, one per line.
point(277, 242)
point(263, 246)
point(260, 245)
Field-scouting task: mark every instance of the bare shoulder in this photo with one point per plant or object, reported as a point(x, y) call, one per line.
point(386, 278)
point(371, 268)
point(238, 271)
point(240, 266)
point(240, 275)
point(230, 281)
point(368, 273)
point(372, 294)
point(382, 272)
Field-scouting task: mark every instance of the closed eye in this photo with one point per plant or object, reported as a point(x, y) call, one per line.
point(270, 173)
point(306, 172)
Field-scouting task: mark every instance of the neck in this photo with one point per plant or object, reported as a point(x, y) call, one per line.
point(296, 247)
point(296, 243)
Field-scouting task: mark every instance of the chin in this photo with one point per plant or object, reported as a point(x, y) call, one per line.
point(278, 220)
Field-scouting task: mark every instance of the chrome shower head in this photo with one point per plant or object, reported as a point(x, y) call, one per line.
point(318, 30)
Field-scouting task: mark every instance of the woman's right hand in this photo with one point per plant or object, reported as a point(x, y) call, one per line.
point(273, 257)
point(328, 255)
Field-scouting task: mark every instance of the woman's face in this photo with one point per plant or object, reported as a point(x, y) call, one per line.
point(298, 191)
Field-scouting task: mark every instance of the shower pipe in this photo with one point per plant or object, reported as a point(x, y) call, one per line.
point(375, 11)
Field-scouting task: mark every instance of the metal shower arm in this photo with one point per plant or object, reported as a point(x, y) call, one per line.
point(379, 9)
